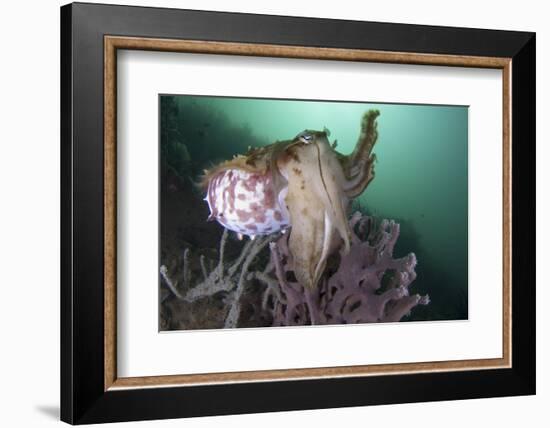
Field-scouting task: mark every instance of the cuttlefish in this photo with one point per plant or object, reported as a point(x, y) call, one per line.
point(301, 185)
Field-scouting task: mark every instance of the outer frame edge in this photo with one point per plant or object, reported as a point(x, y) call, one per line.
point(66, 304)
point(524, 214)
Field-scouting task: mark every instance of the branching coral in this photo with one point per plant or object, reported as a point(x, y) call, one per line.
point(363, 285)
point(367, 284)
point(230, 278)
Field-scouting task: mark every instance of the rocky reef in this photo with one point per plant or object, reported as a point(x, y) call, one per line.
point(258, 287)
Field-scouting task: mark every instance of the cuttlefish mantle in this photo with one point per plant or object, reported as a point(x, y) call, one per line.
point(303, 184)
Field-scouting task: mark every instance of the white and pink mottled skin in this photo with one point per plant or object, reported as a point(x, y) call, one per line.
point(245, 203)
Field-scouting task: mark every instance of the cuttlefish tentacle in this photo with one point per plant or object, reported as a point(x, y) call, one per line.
point(335, 201)
point(359, 165)
point(365, 143)
point(301, 183)
point(315, 205)
point(355, 186)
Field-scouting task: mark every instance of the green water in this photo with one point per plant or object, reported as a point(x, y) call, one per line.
point(421, 171)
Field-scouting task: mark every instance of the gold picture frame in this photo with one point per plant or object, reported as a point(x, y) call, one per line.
point(114, 43)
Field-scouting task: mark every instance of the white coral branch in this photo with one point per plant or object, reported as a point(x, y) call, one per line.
point(256, 246)
point(169, 283)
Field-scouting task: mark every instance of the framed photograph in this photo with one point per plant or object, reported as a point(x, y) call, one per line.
point(266, 213)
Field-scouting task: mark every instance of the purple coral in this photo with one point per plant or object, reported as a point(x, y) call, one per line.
point(365, 285)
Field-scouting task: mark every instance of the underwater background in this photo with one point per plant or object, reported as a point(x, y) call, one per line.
point(421, 182)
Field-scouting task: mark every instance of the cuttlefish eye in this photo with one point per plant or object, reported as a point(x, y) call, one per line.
point(305, 137)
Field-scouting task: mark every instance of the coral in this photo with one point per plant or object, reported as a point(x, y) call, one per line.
point(230, 278)
point(366, 284)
